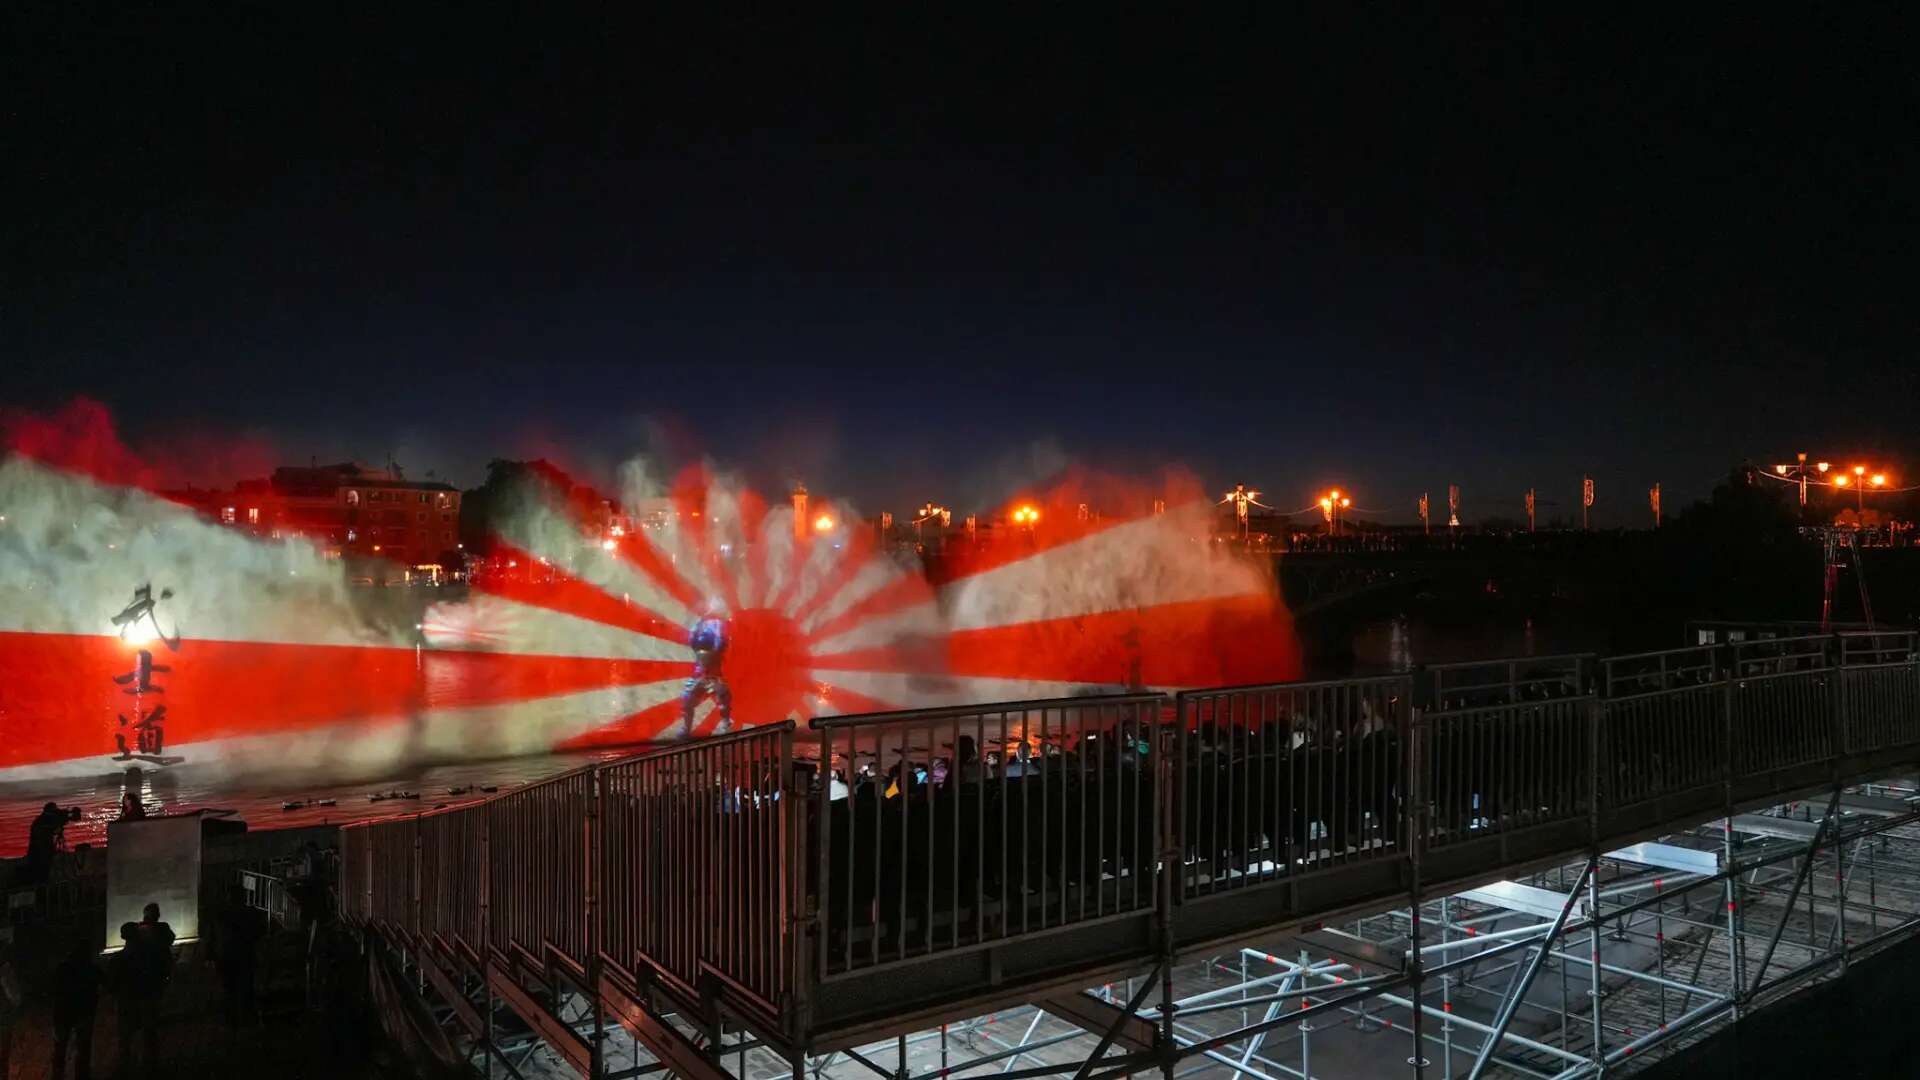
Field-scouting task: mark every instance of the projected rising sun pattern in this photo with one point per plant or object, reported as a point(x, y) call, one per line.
point(583, 639)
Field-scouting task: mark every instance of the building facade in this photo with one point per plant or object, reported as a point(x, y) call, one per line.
point(352, 510)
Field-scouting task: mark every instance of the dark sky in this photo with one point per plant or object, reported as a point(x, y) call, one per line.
point(925, 258)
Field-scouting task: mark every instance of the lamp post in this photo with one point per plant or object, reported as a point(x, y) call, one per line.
point(1331, 504)
point(1860, 481)
point(1800, 472)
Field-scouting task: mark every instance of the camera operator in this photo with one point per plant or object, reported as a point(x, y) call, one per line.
point(46, 835)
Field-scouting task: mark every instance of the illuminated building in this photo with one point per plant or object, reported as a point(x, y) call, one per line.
point(348, 510)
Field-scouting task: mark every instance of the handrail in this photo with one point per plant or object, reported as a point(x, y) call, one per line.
point(715, 867)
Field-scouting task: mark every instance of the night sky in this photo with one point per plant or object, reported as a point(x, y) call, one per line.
point(935, 258)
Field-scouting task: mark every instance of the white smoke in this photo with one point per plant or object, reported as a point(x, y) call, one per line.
point(72, 552)
point(1162, 559)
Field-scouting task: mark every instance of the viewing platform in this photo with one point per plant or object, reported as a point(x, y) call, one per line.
point(808, 892)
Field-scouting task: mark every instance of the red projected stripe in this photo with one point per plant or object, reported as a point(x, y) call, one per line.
point(1223, 642)
point(60, 701)
point(569, 595)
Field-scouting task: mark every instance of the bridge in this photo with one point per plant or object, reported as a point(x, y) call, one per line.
point(784, 898)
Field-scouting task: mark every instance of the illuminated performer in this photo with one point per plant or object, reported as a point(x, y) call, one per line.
point(708, 640)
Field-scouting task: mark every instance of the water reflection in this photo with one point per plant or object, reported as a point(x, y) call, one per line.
point(184, 790)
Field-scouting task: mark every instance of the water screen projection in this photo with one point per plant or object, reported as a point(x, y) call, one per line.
point(137, 630)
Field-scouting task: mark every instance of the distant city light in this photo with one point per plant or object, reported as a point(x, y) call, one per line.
point(1879, 479)
point(609, 544)
point(823, 523)
point(1822, 466)
point(1841, 480)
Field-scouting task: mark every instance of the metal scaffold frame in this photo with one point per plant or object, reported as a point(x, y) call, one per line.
point(777, 903)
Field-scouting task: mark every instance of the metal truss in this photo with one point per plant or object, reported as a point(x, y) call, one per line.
point(1580, 970)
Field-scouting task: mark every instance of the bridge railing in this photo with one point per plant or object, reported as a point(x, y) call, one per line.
point(769, 869)
point(1663, 724)
point(944, 829)
point(1504, 768)
point(1880, 689)
point(453, 878)
point(1782, 708)
point(1268, 778)
point(695, 861)
point(538, 871)
point(1494, 682)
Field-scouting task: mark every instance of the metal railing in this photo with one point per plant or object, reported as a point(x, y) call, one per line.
point(947, 828)
point(1505, 767)
point(1306, 774)
point(763, 867)
point(694, 862)
point(1879, 688)
point(1498, 682)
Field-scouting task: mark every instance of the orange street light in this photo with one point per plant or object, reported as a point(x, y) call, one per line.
point(1879, 479)
point(1841, 480)
point(1859, 470)
point(1331, 504)
point(1823, 466)
point(823, 523)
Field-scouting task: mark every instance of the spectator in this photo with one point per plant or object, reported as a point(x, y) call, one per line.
point(46, 835)
point(76, 995)
point(11, 1000)
point(146, 966)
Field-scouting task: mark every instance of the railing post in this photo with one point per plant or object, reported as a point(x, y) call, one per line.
point(1413, 813)
point(591, 872)
point(1836, 667)
point(1728, 766)
point(799, 919)
point(1595, 769)
point(418, 925)
point(484, 947)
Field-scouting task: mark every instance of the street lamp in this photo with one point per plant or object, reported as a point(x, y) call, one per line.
point(1331, 504)
point(1798, 472)
point(1860, 481)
